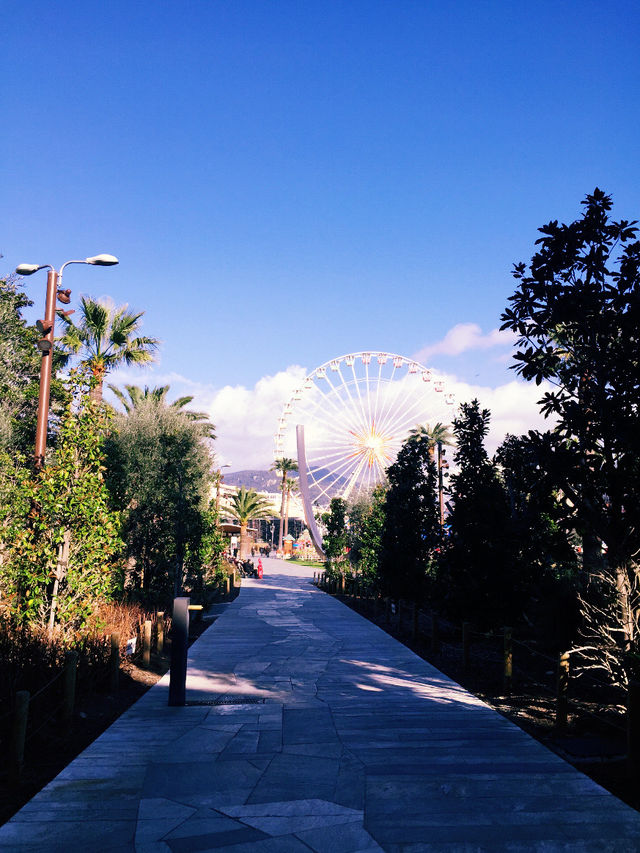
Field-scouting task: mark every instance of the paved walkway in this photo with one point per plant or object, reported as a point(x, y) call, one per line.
point(331, 737)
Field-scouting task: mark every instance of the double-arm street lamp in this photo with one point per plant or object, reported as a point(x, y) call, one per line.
point(45, 344)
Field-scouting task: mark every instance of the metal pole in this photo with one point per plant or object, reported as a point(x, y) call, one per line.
point(45, 370)
point(440, 486)
point(179, 650)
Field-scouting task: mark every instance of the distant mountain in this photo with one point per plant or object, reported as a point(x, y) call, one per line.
point(269, 481)
point(261, 481)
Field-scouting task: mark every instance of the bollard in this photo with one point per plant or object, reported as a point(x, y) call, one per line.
point(114, 663)
point(508, 661)
point(69, 687)
point(633, 726)
point(435, 635)
point(466, 644)
point(179, 649)
point(562, 690)
point(387, 609)
point(18, 734)
point(146, 644)
point(414, 623)
point(227, 585)
point(160, 634)
point(343, 582)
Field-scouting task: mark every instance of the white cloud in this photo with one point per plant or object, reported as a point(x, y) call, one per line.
point(246, 417)
point(463, 337)
point(513, 407)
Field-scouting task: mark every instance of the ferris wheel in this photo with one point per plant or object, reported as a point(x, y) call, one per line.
point(347, 421)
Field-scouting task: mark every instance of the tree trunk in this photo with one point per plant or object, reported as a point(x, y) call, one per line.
point(281, 534)
point(625, 603)
point(244, 541)
point(286, 513)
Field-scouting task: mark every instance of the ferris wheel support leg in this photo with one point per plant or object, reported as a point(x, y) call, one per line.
point(303, 481)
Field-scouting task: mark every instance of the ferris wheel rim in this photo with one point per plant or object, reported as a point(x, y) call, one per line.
point(331, 458)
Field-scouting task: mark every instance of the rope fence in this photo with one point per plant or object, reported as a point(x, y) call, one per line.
point(513, 659)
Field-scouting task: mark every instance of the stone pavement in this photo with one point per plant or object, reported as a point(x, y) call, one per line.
point(308, 728)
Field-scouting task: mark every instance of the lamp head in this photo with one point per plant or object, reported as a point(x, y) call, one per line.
point(102, 260)
point(28, 269)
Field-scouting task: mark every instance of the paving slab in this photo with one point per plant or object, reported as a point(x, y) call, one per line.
point(309, 728)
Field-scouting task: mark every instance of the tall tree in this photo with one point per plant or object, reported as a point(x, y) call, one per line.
point(336, 539)
point(158, 469)
point(105, 338)
point(576, 312)
point(439, 432)
point(284, 466)
point(245, 506)
point(475, 570)
point(58, 536)
point(411, 526)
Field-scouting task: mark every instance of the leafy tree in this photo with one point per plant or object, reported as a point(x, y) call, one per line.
point(245, 506)
point(158, 471)
point(411, 527)
point(366, 523)
point(475, 574)
point(60, 539)
point(105, 338)
point(576, 312)
point(544, 561)
point(284, 466)
point(336, 538)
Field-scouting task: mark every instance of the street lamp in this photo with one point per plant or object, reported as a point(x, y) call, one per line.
point(219, 479)
point(45, 344)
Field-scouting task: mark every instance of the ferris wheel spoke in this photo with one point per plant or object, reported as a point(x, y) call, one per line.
point(395, 395)
point(408, 415)
point(388, 398)
point(342, 418)
point(354, 478)
point(367, 423)
point(404, 424)
point(337, 473)
point(354, 407)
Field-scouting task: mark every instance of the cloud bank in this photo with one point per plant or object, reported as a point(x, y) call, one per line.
point(463, 337)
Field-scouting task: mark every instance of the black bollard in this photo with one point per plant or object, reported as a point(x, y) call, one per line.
point(179, 648)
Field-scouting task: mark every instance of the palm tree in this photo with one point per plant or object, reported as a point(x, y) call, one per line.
point(283, 465)
point(245, 506)
point(136, 396)
point(104, 337)
point(292, 488)
point(438, 433)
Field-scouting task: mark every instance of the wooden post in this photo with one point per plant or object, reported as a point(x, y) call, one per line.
point(18, 734)
point(562, 690)
point(146, 644)
point(69, 686)
point(508, 660)
point(160, 634)
point(414, 624)
point(466, 644)
point(435, 635)
point(633, 726)
point(227, 585)
point(114, 663)
point(343, 582)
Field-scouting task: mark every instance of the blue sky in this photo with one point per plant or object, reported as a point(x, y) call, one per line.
point(284, 182)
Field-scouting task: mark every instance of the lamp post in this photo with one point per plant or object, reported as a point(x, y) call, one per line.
point(45, 344)
point(219, 479)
